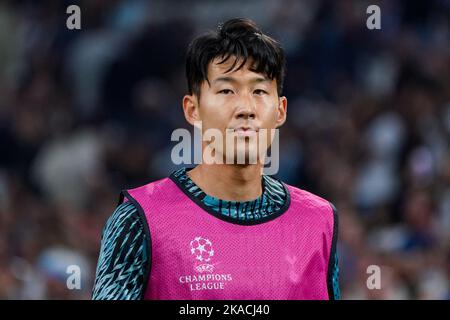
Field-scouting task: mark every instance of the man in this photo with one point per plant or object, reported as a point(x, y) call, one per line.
point(224, 230)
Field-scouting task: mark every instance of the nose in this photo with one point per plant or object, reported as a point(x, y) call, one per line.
point(246, 107)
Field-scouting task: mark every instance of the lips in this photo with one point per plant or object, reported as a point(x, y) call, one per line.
point(245, 131)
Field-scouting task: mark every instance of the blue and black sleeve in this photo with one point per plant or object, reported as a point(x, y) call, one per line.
point(333, 264)
point(124, 256)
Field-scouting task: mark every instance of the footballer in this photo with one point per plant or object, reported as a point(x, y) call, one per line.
point(223, 230)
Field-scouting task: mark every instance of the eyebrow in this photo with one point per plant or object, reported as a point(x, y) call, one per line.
point(234, 80)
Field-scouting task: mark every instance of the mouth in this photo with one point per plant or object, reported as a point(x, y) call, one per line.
point(245, 131)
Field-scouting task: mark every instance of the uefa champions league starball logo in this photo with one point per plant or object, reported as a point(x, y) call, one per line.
point(203, 251)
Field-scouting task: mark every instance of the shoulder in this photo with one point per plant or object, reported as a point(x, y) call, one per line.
point(155, 187)
point(309, 199)
point(313, 206)
point(124, 212)
point(124, 222)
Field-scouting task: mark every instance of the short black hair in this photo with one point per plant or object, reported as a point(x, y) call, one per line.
point(242, 39)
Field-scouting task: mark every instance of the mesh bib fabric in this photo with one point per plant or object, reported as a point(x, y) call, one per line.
point(198, 256)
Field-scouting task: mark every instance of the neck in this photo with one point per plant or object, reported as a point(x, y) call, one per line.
point(228, 182)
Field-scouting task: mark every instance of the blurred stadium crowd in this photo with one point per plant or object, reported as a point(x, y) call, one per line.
point(86, 113)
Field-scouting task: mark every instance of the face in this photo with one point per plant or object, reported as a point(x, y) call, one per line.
point(242, 105)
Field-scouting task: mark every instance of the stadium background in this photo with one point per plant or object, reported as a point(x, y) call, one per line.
point(86, 113)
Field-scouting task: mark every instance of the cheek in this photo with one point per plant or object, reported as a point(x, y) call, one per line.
point(214, 117)
point(269, 112)
point(216, 109)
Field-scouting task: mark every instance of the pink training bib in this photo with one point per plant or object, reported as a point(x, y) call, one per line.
point(197, 255)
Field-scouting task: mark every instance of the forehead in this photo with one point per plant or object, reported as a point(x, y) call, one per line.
point(216, 69)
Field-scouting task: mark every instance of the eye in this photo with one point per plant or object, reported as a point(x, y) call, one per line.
point(225, 91)
point(260, 92)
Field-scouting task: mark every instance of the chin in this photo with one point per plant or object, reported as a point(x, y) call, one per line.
point(249, 156)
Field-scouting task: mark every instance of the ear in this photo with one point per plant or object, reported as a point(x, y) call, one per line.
point(282, 111)
point(190, 108)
